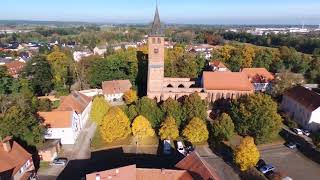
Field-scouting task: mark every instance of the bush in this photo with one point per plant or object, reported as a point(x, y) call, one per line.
point(291, 123)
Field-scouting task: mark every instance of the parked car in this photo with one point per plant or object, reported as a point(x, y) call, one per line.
point(180, 147)
point(260, 163)
point(266, 168)
point(166, 146)
point(306, 132)
point(291, 145)
point(189, 147)
point(60, 161)
point(297, 131)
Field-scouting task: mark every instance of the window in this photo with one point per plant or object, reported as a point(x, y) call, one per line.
point(156, 50)
point(153, 40)
point(159, 41)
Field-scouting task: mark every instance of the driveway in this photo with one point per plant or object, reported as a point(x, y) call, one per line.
point(79, 150)
point(291, 162)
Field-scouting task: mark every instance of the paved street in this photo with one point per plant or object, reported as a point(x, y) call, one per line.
point(80, 150)
point(291, 162)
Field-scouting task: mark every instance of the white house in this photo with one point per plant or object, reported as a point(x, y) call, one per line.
point(114, 90)
point(304, 107)
point(218, 66)
point(78, 55)
point(79, 103)
point(61, 125)
point(100, 50)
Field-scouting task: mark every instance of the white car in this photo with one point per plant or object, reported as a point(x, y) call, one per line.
point(180, 148)
point(166, 147)
point(266, 168)
point(306, 132)
point(298, 131)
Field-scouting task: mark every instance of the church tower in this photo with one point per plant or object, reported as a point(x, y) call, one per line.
point(156, 56)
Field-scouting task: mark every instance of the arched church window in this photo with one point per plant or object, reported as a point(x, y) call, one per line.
point(159, 41)
point(181, 86)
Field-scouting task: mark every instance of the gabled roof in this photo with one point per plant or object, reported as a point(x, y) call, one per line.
point(116, 86)
point(198, 168)
point(258, 74)
point(217, 63)
point(57, 119)
point(307, 98)
point(157, 29)
point(74, 102)
point(233, 81)
point(13, 159)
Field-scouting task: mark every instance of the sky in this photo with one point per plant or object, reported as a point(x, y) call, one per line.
point(171, 11)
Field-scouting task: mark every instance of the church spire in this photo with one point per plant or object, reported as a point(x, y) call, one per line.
point(156, 25)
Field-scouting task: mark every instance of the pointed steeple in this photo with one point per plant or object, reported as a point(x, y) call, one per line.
point(157, 29)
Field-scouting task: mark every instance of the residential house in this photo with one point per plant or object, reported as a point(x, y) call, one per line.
point(100, 50)
point(261, 78)
point(226, 85)
point(49, 150)
point(61, 125)
point(217, 65)
point(304, 107)
point(15, 162)
point(114, 90)
point(14, 68)
point(131, 172)
point(79, 103)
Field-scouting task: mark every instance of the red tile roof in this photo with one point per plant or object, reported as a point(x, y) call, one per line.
point(217, 63)
point(133, 173)
point(198, 168)
point(258, 75)
point(233, 81)
point(74, 102)
point(57, 119)
point(14, 67)
point(13, 159)
point(307, 98)
point(116, 86)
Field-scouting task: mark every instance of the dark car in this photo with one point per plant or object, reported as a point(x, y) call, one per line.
point(188, 147)
point(260, 163)
point(60, 161)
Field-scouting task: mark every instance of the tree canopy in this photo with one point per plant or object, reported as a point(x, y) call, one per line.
point(130, 96)
point(141, 128)
point(99, 109)
point(246, 154)
point(196, 131)
point(223, 128)
point(149, 109)
point(115, 125)
point(172, 108)
point(194, 106)
point(169, 129)
point(256, 115)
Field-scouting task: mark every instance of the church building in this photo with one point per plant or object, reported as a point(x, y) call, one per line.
point(161, 88)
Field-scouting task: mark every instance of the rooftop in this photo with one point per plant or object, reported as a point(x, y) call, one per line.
point(307, 98)
point(116, 86)
point(74, 102)
point(258, 74)
point(57, 119)
point(236, 81)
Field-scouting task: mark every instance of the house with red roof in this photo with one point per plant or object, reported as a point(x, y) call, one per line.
point(15, 162)
point(261, 78)
point(114, 90)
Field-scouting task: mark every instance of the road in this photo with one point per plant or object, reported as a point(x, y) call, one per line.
point(291, 162)
point(80, 150)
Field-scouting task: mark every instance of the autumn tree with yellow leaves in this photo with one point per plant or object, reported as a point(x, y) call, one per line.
point(196, 131)
point(169, 129)
point(99, 109)
point(130, 96)
point(115, 125)
point(141, 128)
point(246, 154)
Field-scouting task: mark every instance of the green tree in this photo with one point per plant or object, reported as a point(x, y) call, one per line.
point(284, 81)
point(22, 124)
point(196, 131)
point(149, 109)
point(115, 125)
point(194, 106)
point(141, 128)
point(130, 96)
point(246, 154)
point(99, 109)
point(172, 108)
point(44, 105)
point(169, 129)
point(5, 81)
point(257, 116)
point(223, 128)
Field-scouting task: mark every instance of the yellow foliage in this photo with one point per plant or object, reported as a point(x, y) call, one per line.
point(246, 155)
point(130, 96)
point(115, 125)
point(141, 128)
point(169, 129)
point(99, 109)
point(226, 52)
point(248, 54)
point(196, 131)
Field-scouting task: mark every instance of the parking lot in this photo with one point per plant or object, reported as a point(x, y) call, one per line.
point(291, 162)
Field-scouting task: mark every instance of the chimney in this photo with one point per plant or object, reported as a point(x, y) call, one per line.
point(98, 177)
point(6, 143)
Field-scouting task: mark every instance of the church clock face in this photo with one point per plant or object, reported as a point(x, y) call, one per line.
point(156, 50)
